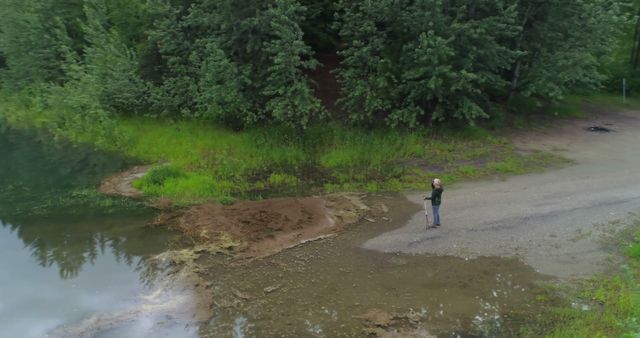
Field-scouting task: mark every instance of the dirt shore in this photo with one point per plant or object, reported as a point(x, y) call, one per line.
point(120, 184)
point(251, 229)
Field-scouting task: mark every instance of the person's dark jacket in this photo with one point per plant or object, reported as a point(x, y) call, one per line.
point(436, 196)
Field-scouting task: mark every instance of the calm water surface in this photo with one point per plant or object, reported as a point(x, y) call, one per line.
point(63, 259)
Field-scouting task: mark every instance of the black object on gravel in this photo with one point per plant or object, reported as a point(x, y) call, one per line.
point(599, 129)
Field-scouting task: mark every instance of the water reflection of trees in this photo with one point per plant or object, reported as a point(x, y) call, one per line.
point(34, 172)
point(71, 245)
point(36, 159)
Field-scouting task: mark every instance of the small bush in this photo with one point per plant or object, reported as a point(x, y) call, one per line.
point(226, 200)
point(633, 250)
point(158, 176)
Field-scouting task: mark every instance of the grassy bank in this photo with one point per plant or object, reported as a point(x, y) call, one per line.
point(603, 306)
point(210, 162)
point(207, 162)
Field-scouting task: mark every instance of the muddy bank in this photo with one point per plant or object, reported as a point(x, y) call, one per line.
point(334, 288)
point(251, 229)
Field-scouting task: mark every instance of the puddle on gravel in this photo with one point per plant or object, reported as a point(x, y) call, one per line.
point(325, 288)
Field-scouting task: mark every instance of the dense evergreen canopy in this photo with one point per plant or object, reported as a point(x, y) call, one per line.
point(241, 62)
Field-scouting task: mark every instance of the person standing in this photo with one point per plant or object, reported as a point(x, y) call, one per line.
point(436, 200)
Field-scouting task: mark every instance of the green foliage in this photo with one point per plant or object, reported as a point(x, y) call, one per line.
point(633, 250)
point(417, 61)
point(99, 80)
point(221, 85)
point(107, 70)
point(226, 200)
point(158, 176)
point(236, 62)
point(563, 43)
point(214, 162)
point(412, 62)
point(406, 63)
point(31, 52)
point(611, 309)
point(291, 99)
point(69, 112)
point(282, 180)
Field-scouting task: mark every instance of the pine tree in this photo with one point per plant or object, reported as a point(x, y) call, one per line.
point(174, 93)
point(111, 64)
point(364, 74)
point(290, 97)
point(220, 89)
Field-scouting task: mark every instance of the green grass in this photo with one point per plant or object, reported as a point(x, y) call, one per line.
point(208, 162)
point(606, 307)
point(609, 100)
point(603, 306)
point(214, 163)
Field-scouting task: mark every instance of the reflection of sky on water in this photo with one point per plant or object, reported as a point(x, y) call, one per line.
point(34, 299)
point(152, 327)
point(65, 254)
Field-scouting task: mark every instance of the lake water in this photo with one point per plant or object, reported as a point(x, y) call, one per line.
point(66, 254)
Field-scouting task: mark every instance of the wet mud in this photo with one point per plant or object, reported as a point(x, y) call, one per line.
point(335, 288)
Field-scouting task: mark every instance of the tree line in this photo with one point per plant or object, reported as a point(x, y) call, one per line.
point(402, 63)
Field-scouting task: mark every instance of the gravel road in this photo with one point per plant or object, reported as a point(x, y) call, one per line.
point(554, 221)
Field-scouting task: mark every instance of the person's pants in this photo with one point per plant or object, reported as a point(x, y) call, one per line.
point(436, 214)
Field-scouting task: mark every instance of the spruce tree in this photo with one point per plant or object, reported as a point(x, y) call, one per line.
point(287, 88)
point(411, 62)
